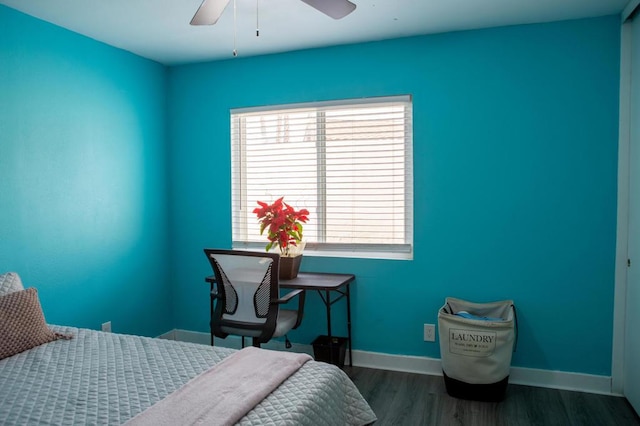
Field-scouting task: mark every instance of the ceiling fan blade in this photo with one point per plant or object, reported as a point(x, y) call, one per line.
point(209, 12)
point(336, 9)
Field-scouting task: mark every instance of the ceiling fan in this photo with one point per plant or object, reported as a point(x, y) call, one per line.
point(210, 10)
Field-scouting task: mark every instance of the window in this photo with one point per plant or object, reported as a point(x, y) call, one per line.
point(348, 162)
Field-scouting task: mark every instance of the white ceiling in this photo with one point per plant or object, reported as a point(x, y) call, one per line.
point(160, 30)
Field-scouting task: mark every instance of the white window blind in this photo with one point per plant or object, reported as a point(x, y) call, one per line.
point(348, 162)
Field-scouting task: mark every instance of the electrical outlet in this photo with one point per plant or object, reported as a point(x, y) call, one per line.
point(429, 333)
point(106, 326)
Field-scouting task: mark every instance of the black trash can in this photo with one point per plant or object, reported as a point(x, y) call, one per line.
point(331, 350)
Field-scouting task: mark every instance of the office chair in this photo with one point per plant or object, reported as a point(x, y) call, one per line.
point(247, 297)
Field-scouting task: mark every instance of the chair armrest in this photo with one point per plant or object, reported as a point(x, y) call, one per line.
point(215, 294)
point(287, 297)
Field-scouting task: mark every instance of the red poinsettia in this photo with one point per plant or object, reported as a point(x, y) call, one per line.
point(282, 223)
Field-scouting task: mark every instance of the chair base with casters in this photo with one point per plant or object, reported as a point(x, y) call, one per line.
point(245, 298)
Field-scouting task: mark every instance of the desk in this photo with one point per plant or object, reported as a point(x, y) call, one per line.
point(324, 284)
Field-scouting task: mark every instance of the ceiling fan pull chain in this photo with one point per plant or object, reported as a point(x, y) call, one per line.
point(257, 19)
point(235, 29)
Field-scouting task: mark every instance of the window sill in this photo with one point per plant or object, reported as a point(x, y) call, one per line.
point(345, 253)
point(359, 254)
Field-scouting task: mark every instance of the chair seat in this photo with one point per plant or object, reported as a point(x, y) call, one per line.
point(286, 320)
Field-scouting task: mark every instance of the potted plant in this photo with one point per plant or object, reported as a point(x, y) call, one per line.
point(283, 225)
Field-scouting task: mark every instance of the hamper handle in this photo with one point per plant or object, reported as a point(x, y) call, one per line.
point(449, 310)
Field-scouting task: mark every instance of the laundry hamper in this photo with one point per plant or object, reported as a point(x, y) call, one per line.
point(476, 344)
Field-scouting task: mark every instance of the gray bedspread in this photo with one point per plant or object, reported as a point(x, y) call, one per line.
point(105, 379)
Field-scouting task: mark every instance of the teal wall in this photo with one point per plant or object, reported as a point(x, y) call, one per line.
point(515, 146)
point(114, 175)
point(83, 177)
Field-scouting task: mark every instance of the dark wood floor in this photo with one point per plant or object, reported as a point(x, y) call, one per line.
point(416, 399)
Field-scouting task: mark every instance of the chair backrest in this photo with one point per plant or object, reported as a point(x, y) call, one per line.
point(246, 283)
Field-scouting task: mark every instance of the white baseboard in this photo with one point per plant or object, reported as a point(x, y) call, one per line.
point(423, 365)
point(518, 375)
point(562, 380)
point(169, 335)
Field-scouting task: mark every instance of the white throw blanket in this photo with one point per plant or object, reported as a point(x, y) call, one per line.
point(226, 392)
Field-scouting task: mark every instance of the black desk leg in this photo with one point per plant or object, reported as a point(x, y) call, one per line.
point(211, 314)
point(328, 306)
point(349, 325)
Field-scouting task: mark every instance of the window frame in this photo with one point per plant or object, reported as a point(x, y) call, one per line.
point(348, 250)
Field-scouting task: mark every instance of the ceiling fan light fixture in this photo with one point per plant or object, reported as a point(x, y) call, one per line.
point(336, 9)
point(209, 12)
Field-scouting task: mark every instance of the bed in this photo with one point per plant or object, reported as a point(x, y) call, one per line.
point(107, 379)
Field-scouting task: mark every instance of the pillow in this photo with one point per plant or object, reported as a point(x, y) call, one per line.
point(9, 283)
point(22, 324)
